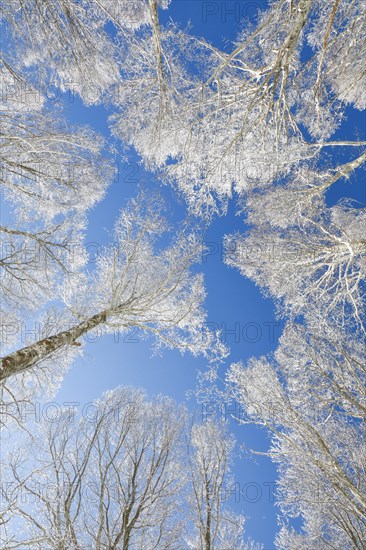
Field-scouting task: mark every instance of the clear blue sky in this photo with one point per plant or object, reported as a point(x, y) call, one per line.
point(233, 303)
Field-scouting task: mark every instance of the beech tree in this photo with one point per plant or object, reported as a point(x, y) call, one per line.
point(328, 361)
point(118, 477)
point(111, 480)
point(307, 256)
point(215, 525)
point(134, 285)
point(312, 398)
point(68, 43)
point(52, 175)
point(190, 133)
point(216, 122)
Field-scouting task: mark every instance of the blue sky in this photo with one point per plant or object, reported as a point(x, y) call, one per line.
point(233, 303)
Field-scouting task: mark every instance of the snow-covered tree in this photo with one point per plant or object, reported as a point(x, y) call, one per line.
point(309, 257)
point(108, 480)
point(325, 366)
point(204, 138)
point(51, 176)
point(214, 122)
point(312, 399)
point(138, 284)
point(121, 475)
point(210, 450)
point(68, 42)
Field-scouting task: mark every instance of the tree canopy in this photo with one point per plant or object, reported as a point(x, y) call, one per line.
point(259, 124)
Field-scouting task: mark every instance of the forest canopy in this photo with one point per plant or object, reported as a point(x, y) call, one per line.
point(264, 125)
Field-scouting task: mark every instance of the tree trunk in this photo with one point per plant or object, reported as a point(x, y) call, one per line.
point(25, 358)
point(208, 516)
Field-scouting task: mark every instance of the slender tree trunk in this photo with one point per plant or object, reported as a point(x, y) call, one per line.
point(25, 358)
point(208, 518)
point(208, 533)
point(126, 541)
point(153, 7)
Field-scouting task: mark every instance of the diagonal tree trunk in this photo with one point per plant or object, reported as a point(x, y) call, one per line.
point(24, 358)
